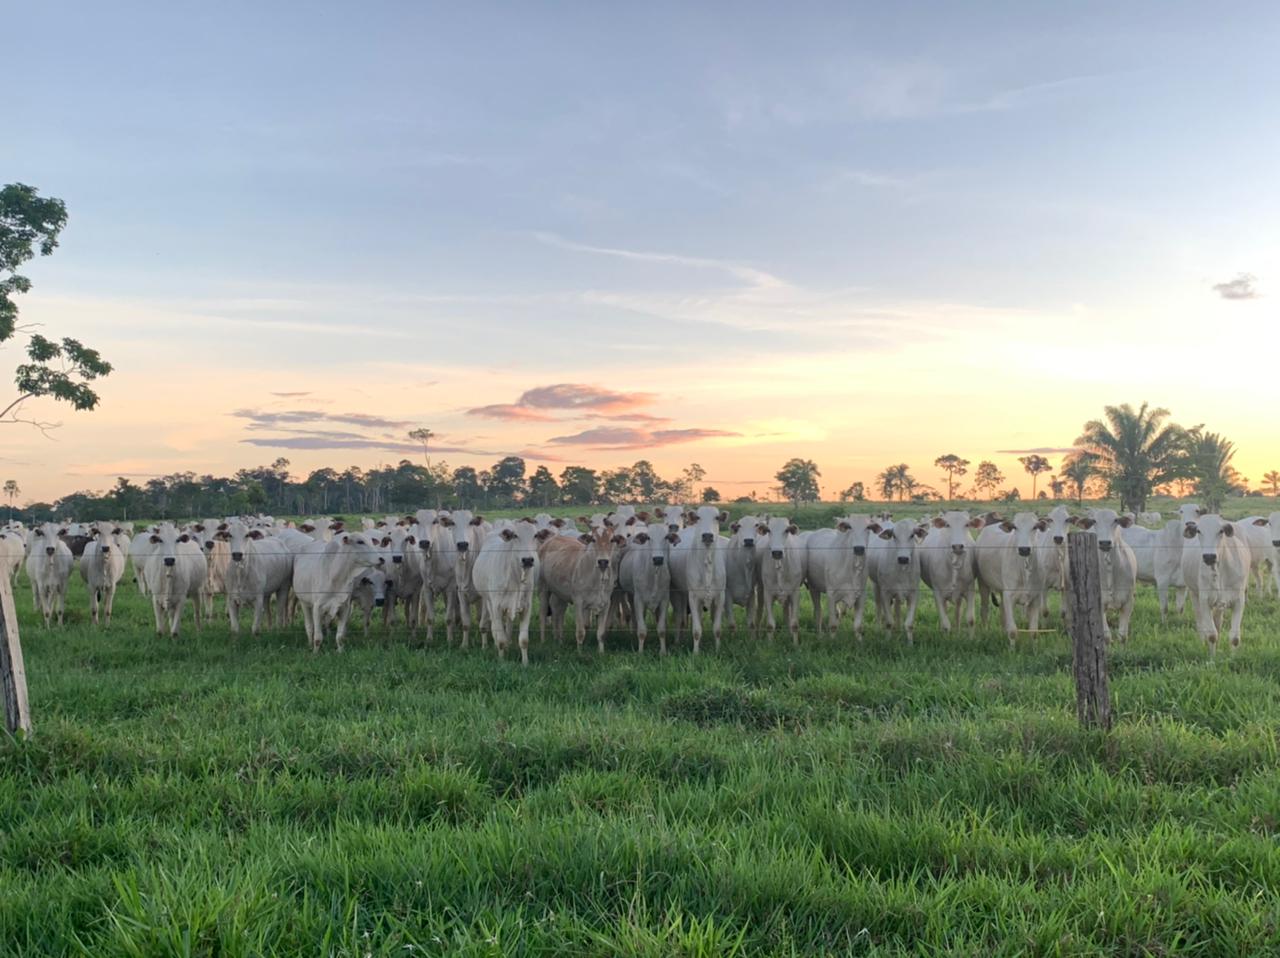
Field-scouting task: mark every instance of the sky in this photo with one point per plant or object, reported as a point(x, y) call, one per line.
point(729, 233)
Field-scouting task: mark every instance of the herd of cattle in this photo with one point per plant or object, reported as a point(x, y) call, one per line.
point(631, 565)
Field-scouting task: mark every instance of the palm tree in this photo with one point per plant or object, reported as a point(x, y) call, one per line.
point(11, 492)
point(896, 480)
point(1077, 469)
point(1210, 455)
point(1135, 451)
point(1272, 479)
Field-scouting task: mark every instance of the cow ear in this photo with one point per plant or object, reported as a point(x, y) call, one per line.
point(873, 527)
point(558, 522)
point(117, 532)
point(184, 538)
point(507, 534)
point(722, 517)
point(1189, 531)
point(643, 516)
point(843, 526)
point(542, 535)
point(1042, 525)
point(977, 522)
point(1228, 529)
point(199, 527)
point(619, 540)
point(477, 520)
point(939, 522)
point(586, 539)
point(886, 534)
point(735, 527)
point(631, 521)
point(673, 538)
point(222, 527)
point(1007, 526)
point(155, 540)
point(1201, 511)
point(346, 540)
point(584, 519)
point(1260, 522)
point(762, 529)
point(40, 533)
point(1124, 522)
point(410, 540)
point(255, 534)
point(793, 530)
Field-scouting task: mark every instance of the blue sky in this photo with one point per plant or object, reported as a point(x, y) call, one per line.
point(760, 215)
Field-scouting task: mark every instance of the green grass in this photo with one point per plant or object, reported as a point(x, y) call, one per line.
point(224, 797)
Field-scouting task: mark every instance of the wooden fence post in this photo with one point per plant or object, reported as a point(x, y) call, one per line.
point(13, 674)
point(1089, 644)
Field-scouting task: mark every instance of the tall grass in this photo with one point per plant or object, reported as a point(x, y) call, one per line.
point(222, 796)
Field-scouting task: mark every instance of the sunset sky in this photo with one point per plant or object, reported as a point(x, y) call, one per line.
point(592, 233)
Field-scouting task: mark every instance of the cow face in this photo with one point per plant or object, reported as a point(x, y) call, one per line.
point(856, 530)
point(902, 537)
point(1273, 523)
point(1207, 533)
point(1106, 524)
point(782, 535)
point(744, 532)
point(1023, 528)
point(705, 526)
point(953, 533)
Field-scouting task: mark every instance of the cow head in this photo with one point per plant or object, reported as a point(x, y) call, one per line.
point(1208, 531)
point(1106, 524)
point(903, 537)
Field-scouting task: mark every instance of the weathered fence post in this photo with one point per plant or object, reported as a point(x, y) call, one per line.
point(1089, 644)
point(13, 675)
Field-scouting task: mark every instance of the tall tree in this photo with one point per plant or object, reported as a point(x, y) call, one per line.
point(710, 495)
point(856, 492)
point(62, 370)
point(579, 486)
point(1135, 451)
point(798, 480)
point(1078, 468)
point(467, 486)
point(1210, 456)
point(686, 487)
point(543, 488)
point(506, 481)
point(987, 479)
point(954, 467)
point(1034, 465)
point(896, 481)
point(11, 492)
point(423, 435)
point(1272, 479)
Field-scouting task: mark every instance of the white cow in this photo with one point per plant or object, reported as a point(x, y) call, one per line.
point(782, 572)
point(742, 579)
point(457, 541)
point(837, 569)
point(12, 549)
point(324, 577)
point(1117, 567)
point(1215, 568)
point(698, 574)
point(505, 575)
point(139, 550)
point(371, 592)
point(1258, 535)
point(1158, 553)
point(946, 566)
point(1007, 567)
point(1050, 546)
point(102, 566)
point(174, 572)
point(893, 563)
point(49, 563)
point(644, 574)
point(261, 569)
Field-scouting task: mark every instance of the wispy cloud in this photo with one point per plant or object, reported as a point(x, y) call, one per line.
point(291, 395)
point(1244, 286)
point(510, 412)
point(746, 274)
point(264, 418)
point(537, 404)
point(618, 438)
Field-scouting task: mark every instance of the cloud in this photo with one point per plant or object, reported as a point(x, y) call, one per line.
point(579, 396)
point(621, 437)
point(747, 274)
point(265, 419)
point(534, 404)
point(629, 417)
point(512, 412)
point(321, 441)
point(291, 395)
point(1038, 450)
point(1242, 287)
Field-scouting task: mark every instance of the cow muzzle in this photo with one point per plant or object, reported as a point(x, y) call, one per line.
point(1209, 559)
point(602, 564)
point(169, 560)
point(708, 538)
point(658, 560)
point(1276, 543)
point(859, 550)
point(379, 602)
point(396, 560)
point(1024, 551)
point(1058, 540)
point(1105, 546)
point(462, 546)
point(776, 553)
point(48, 550)
point(208, 545)
point(424, 545)
point(748, 543)
point(237, 556)
point(957, 550)
point(106, 550)
point(904, 560)
point(527, 562)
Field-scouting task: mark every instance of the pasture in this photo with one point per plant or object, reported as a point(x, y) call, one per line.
point(222, 796)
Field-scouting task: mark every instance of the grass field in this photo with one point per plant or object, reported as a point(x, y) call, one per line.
point(223, 797)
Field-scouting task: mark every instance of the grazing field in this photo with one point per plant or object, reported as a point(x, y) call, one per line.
point(216, 796)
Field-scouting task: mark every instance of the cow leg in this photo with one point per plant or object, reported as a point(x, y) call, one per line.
point(695, 627)
point(1237, 613)
point(815, 598)
point(717, 618)
point(1010, 626)
point(344, 612)
point(258, 602)
point(524, 630)
point(1162, 590)
point(580, 616)
point(913, 599)
point(661, 616)
point(175, 618)
point(498, 625)
point(156, 610)
point(1126, 613)
point(233, 612)
point(602, 626)
point(944, 622)
point(768, 605)
point(642, 626)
